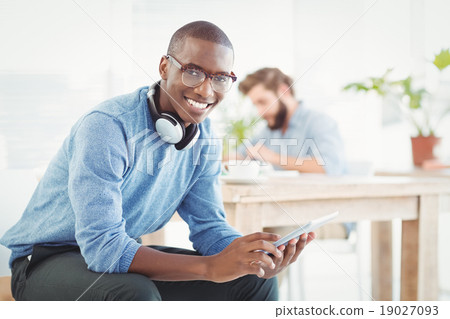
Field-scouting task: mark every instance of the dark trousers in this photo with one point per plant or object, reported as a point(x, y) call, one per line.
point(60, 273)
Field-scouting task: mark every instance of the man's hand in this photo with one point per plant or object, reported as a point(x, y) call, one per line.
point(245, 256)
point(290, 254)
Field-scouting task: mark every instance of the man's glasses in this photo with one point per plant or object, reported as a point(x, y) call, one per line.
point(194, 76)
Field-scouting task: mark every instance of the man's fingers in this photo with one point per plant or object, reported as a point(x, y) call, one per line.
point(264, 246)
point(289, 252)
point(256, 268)
point(301, 244)
point(262, 242)
point(261, 235)
point(304, 240)
point(258, 247)
point(262, 258)
point(311, 237)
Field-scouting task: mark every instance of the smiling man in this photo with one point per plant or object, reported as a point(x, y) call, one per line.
point(122, 172)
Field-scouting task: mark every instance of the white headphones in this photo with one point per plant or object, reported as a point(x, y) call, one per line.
point(170, 126)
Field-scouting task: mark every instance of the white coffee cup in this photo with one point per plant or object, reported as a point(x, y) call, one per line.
point(245, 169)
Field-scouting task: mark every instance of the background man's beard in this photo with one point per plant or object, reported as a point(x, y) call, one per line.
point(280, 118)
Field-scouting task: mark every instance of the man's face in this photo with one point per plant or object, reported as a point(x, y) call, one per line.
point(189, 103)
point(268, 105)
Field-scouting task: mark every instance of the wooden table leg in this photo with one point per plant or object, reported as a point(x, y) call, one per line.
point(419, 279)
point(410, 248)
point(382, 260)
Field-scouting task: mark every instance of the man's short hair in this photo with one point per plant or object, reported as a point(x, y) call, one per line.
point(203, 30)
point(271, 78)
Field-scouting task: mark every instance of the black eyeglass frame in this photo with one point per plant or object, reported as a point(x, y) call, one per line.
point(184, 67)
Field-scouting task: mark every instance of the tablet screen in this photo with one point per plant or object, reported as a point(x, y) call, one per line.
point(313, 224)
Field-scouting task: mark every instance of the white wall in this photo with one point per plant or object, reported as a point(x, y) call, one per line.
point(16, 188)
point(361, 39)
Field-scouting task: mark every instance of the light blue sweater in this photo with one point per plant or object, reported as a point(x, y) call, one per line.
point(114, 180)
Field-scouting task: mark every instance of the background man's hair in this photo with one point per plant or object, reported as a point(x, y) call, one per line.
point(271, 78)
point(200, 30)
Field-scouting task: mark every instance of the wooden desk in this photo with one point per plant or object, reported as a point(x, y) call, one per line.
point(290, 201)
point(419, 172)
point(415, 172)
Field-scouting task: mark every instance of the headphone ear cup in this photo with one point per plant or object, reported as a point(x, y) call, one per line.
point(169, 128)
point(191, 136)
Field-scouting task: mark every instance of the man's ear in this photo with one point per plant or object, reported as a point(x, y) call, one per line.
point(163, 67)
point(283, 90)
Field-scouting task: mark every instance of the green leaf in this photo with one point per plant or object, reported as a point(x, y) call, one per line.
point(442, 60)
point(415, 101)
point(358, 86)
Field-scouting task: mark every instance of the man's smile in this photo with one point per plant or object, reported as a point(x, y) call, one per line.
point(197, 105)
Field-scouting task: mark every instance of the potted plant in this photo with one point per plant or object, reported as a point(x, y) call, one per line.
point(410, 103)
point(238, 122)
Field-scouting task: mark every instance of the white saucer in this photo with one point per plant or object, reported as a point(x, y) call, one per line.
point(242, 180)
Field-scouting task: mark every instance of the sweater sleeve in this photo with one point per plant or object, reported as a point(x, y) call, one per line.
point(203, 211)
point(97, 163)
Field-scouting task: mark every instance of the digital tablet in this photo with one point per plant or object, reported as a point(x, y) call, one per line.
point(313, 224)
